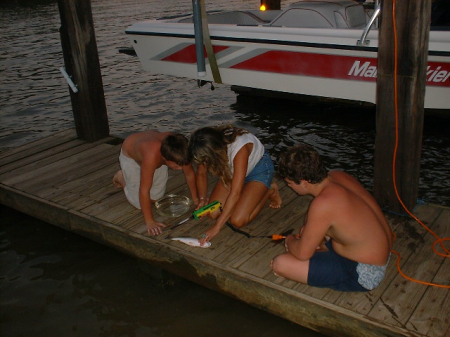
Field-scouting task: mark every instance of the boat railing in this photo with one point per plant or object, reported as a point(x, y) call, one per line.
point(363, 41)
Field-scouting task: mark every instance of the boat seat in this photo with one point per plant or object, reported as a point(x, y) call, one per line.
point(351, 17)
point(303, 18)
point(322, 14)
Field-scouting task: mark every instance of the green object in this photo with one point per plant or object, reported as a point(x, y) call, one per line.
point(205, 210)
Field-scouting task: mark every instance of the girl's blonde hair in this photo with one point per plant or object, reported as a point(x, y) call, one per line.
point(208, 146)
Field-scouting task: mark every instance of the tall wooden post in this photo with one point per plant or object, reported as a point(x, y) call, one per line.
point(82, 64)
point(413, 23)
point(271, 4)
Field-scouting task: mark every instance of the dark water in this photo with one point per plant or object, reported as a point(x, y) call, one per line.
point(54, 283)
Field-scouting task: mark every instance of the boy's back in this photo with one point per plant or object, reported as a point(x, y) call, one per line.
point(358, 227)
point(144, 147)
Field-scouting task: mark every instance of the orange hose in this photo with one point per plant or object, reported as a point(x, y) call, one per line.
point(438, 239)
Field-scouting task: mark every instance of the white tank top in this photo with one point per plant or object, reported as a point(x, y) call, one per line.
point(255, 155)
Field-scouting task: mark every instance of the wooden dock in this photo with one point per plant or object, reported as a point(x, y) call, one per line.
point(68, 183)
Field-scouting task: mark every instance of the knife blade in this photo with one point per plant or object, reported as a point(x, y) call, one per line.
point(182, 222)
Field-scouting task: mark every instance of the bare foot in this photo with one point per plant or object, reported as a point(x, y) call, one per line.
point(271, 267)
point(275, 198)
point(118, 180)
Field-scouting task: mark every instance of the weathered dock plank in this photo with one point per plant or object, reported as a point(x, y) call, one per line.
point(90, 187)
point(60, 171)
point(36, 146)
point(68, 183)
point(429, 309)
point(44, 156)
point(398, 302)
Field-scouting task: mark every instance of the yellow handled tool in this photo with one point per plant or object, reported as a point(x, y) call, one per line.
point(205, 210)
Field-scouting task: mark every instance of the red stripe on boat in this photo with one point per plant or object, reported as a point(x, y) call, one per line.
point(188, 55)
point(332, 66)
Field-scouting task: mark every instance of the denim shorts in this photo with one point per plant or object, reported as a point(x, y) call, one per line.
point(263, 171)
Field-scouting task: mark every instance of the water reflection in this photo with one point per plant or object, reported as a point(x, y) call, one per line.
point(345, 140)
point(345, 136)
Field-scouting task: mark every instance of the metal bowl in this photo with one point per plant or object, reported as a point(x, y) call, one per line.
point(172, 205)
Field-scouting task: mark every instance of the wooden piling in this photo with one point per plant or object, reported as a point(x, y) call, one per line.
point(412, 21)
point(82, 64)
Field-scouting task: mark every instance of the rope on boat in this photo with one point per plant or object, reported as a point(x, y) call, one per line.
point(208, 45)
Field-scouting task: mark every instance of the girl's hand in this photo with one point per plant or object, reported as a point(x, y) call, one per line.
point(208, 235)
point(201, 202)
point(154, 228)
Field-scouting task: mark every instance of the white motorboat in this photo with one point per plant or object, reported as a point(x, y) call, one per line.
point(325, 48)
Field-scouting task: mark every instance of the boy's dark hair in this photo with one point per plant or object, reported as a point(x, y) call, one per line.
point(302, 162)
point(175, 148)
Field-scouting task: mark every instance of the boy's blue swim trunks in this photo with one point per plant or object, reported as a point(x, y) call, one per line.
point(331, 270)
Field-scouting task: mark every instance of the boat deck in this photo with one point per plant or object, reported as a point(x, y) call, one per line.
point(68, 183)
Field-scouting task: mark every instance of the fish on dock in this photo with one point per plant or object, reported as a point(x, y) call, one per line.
point(192, 242)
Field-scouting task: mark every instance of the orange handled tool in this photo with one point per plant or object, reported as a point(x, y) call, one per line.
point(274, 237)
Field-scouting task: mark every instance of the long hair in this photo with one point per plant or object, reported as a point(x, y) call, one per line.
point(208, 146)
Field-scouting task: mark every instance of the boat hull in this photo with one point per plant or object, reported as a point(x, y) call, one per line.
point(316, 62)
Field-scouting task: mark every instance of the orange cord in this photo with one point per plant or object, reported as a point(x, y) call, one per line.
point(438, 239)
point(277, 237)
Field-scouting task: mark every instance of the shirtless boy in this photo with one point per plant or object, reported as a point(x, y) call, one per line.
point(346, 241)
point(144, 160)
